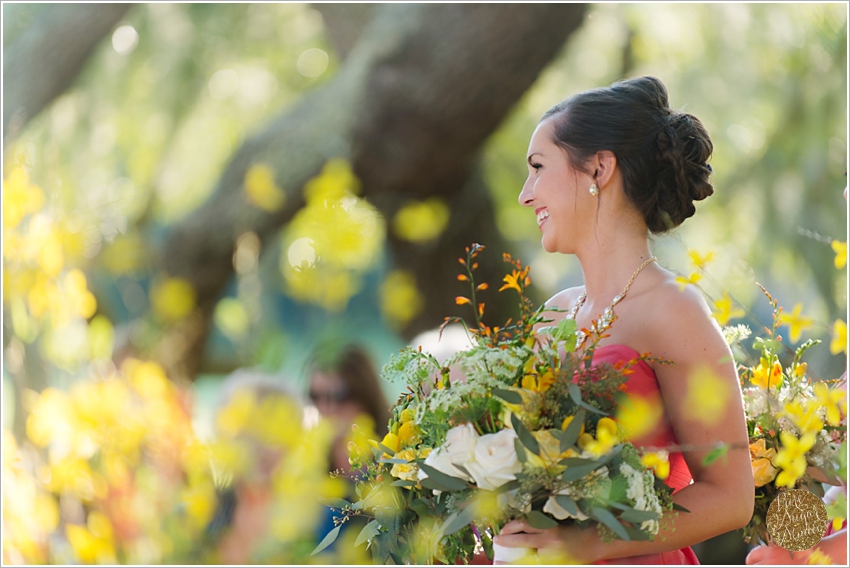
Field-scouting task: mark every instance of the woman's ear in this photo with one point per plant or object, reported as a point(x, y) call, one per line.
point(604, 167)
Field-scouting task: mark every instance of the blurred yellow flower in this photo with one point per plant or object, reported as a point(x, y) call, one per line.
point(20, 197)
point(791, 458)
point(101, 337)
point(88, 548)
point(707, 396)
point(839, 337)
point(232, 420)
point(796, 322)
point(692, 279)
point(726, 310)
point(807, 418)
point(401, 299)
point(172, 299)
point(147, 378)
point(700, 261)
point(421, 221)
point(659, 462)
point(761, 458)
point(200, 500)
point(638, 415)
point(261, 190)
point(818, 557)
point(840, 249)
point(833, 401)
point(81, 301)
point(606, 437)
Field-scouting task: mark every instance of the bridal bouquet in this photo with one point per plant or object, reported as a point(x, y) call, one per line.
point(517, 427)
point(796, 426)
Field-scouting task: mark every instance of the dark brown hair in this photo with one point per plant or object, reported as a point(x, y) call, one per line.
point(352, 364)
point(662, 153)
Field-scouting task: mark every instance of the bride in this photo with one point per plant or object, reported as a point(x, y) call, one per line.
point(607, 168)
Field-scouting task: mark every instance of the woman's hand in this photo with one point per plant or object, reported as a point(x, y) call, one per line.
point(564, 544)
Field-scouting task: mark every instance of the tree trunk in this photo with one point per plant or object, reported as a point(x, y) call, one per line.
point(46, 58)
point(411, 108)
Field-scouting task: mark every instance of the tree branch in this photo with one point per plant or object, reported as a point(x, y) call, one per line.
point(46, 58)
point(411, 107)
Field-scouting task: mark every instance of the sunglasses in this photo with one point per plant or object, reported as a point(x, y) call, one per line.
point(338, 396)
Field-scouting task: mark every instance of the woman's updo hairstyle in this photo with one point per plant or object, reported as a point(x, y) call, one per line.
point(662, 153)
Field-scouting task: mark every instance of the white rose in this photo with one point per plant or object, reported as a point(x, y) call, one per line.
point(554, 508)
point(496, 462)
point(459, 448)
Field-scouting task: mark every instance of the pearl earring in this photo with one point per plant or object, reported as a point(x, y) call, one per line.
point(594, 190)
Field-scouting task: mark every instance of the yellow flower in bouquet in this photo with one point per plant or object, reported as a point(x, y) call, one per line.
point(792, 458)
point(762, 459)
point(767, 375)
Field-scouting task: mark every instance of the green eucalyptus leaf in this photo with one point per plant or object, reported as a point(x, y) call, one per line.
point(327, 541)
point(541, 521)
point(528, 440)
point(446, 482)
point(509, 396)
point(605, 517)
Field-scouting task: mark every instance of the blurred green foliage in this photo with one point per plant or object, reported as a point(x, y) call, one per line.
point(141, 138)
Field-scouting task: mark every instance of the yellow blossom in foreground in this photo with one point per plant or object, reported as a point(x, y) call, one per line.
point(707, 396)
point(725, 310)
point(791, 458)
point(659, 462)
point(818, 557)
point(700, 260)
point(839, 338)
point(796, 322)
point(806, 418)
point(761, 457)
point(840, 249)
point(692, 279)
point(832, 400)
point(638, 416)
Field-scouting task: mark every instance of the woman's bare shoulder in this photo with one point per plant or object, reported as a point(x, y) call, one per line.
point(679, 323)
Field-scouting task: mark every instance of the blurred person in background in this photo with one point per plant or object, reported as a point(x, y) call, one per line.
point(345, 388)
point(243, 512)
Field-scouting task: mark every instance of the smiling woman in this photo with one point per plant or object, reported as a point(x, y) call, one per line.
point(607, 167)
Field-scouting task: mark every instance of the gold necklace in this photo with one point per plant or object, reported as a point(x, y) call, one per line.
point(607, 317)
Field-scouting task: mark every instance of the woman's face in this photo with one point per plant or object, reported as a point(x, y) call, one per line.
point(332, 398)
point(556, 191)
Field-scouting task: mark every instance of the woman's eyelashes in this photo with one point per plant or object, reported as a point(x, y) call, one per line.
point(535, 166)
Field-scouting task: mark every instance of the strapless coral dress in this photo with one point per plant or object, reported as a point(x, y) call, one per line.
point(643, 383)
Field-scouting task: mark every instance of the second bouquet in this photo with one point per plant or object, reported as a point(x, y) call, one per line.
point(523, 425)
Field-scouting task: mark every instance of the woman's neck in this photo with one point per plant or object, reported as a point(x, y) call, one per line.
point(607, 271)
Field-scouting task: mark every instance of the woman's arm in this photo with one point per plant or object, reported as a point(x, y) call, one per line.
point(677, 326)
